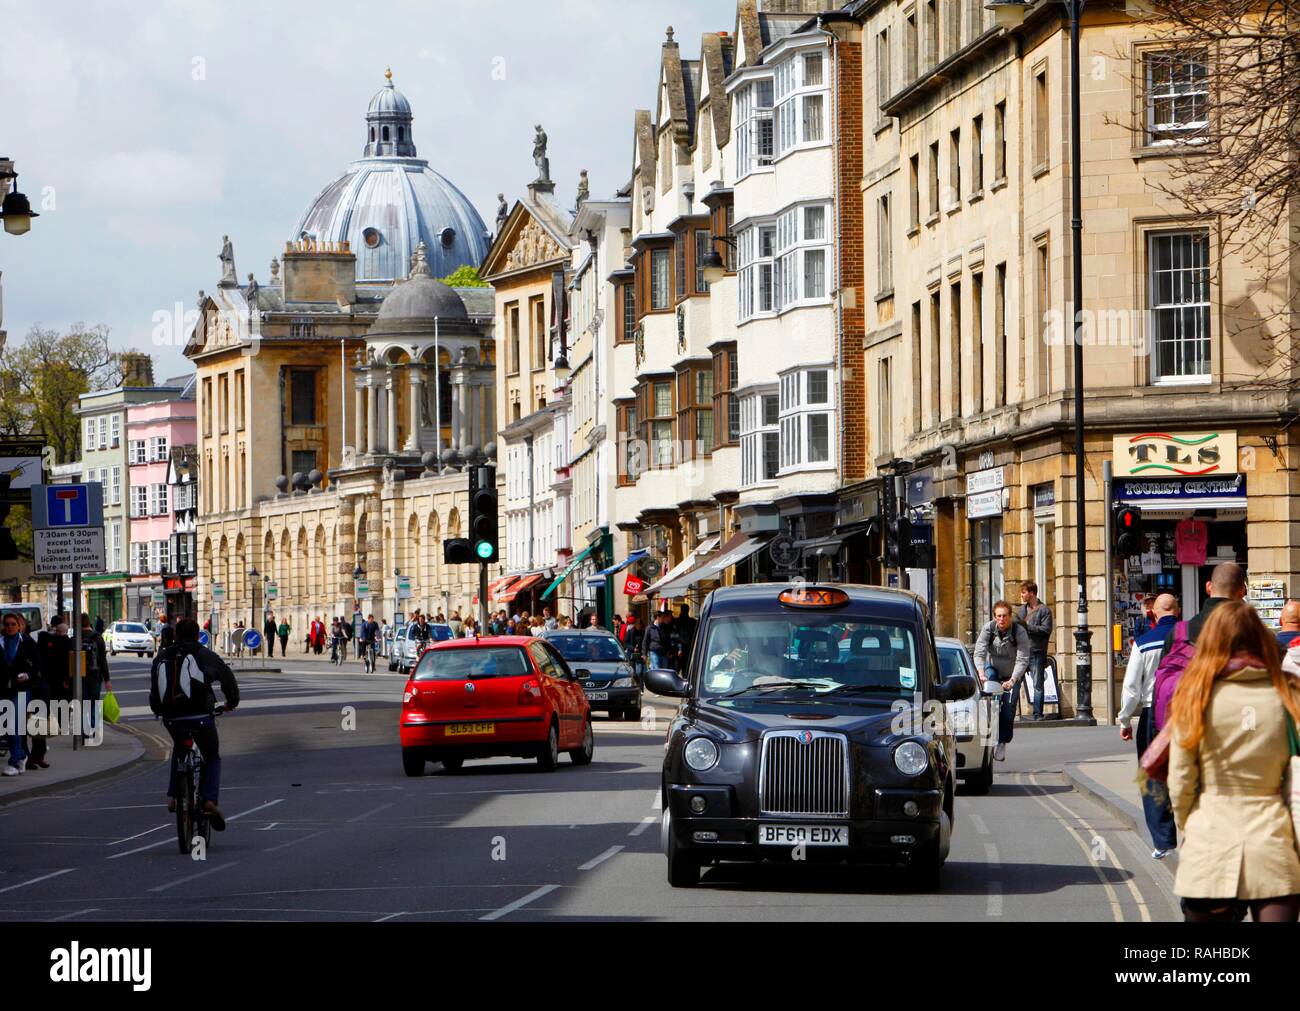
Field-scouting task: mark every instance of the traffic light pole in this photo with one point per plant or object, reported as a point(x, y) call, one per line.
point(1109, 569)
point(482, 598)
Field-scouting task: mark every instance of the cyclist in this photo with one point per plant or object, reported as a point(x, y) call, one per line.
point(367, 642)
point(180, 691)
point(338, 647)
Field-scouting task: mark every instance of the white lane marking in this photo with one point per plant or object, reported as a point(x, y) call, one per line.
point(124, 807)
point(995, 887)
point(596, 861)
point(645, 824)
point(295, 842)
point(978, 822)
point(532, 896)
point(192, 877)
point(390, 916)
point(148, 831)
point(72, 916)
point(267, 828)
point(43, 877)
point(367, 814)
point(165, 842)
point(658, 804)
point(1107, 852)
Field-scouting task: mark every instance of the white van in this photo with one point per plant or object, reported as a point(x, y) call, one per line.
point(33, 614)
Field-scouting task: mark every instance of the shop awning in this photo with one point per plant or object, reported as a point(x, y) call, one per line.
point(569, 569)
point(494, 586)
point(682, 567)
point(737, 549)
point(523, 583)
point(820, 547)
point(598, 578)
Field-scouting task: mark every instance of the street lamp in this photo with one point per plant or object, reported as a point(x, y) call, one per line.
point(252, 582)
point(17, 209)
point(1010, 14)
point(713, 265)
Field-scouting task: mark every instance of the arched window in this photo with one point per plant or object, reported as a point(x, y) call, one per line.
point(385, 133)
point(401, 133)
point(372, 135)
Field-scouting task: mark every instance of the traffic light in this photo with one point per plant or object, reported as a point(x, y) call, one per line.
point(457, 551)
point(1128, 530)
point(903, 541)
point(483, 514)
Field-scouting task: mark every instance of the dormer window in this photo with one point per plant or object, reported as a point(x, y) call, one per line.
point(401, 133)
point(385, 134)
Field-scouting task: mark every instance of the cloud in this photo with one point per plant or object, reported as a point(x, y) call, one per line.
point(156, 177)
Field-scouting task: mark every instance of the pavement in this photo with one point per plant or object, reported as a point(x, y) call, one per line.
point(325, 826)
point(69, 768)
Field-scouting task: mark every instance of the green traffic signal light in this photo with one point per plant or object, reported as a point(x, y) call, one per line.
point(484, 550)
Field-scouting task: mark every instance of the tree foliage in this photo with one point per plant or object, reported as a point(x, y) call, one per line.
point(43, 377)
point(465, 276)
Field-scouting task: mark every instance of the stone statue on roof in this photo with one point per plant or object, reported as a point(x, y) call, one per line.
point(584, 188)
point(539, 156)
point(250, 293)
point(228, 278)
point(503, 212)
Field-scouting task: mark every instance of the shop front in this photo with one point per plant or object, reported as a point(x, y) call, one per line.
point(857, 525)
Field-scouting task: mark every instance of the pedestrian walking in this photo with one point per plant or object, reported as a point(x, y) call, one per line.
point(1227, 582)
point(1037, 619)
point(684, 627)
point(166, 632)
point(658, 645)
point(270, 628)
point(19, 668)
point(96, 677)
point(1135, 702)
point(284, 637)
point(1226, 774)
point(1290, 622)
point(1002, 654)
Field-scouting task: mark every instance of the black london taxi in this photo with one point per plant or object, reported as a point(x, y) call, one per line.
point(814, 728)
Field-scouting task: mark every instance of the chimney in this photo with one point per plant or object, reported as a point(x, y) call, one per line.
point(137, 369)
point(318, 271)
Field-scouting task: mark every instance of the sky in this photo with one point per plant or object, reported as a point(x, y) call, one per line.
point(144, 132)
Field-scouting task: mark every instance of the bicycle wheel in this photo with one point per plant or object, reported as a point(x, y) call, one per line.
point(185, 810)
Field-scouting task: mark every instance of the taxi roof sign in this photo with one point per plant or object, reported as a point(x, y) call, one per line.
point(813, 596)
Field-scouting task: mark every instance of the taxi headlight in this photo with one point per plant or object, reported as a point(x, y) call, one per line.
point(623, 683)
point(910, 758)
point(701, 754)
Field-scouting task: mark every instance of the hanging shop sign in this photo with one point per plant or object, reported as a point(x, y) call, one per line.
point(1174, 454)
point(632, 585)
point(984, 493)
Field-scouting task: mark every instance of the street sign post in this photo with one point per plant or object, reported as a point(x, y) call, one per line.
point(272, 590)
point(57, 506)
point(74, 549)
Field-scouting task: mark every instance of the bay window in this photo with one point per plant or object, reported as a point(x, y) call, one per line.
point(726, 406)
point(805, 418)
point(800, 93)
point(754, 129)
point(760, 458)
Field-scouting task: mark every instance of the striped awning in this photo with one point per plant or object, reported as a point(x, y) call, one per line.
point(569, 569)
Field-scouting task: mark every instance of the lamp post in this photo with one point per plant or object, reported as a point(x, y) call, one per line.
point(253, 575)
point(17, 209)
point(1010, 14)
point(357, 573)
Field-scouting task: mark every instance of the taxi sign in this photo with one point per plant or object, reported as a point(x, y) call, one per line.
point(813, 596)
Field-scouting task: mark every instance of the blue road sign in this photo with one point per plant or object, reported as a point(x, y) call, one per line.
point(57, 506)
point(204, 638)
point(252, 638)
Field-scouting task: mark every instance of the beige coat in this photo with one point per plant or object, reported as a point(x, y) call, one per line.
point(1227, 796)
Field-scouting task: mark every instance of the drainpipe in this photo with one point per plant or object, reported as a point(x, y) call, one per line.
point(284, 465)
point(528, 444)
point(836, 205)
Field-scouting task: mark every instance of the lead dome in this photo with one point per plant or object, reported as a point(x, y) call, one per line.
point(389, 201)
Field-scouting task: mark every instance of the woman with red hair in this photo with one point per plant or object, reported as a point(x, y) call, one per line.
point(1233, 716)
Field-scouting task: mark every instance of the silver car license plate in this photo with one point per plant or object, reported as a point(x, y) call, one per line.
point(807, 835)
point(597, 696)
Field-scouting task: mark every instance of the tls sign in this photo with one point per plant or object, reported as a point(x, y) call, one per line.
point(1175, 454)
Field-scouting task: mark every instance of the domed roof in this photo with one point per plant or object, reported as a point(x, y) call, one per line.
point(421, 296)
point(389, 101)
point(389, 201)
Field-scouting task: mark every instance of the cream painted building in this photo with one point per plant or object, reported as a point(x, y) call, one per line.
point(968, 346)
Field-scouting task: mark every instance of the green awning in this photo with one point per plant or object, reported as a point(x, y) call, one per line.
point(569, 569)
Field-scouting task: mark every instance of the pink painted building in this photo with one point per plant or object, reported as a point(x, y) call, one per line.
point(154, 433)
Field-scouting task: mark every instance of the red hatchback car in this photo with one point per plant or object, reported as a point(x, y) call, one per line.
point(485, 698)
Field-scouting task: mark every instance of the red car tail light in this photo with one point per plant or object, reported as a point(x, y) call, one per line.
point(530, 693)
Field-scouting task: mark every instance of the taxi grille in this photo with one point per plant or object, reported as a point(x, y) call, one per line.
point(804, 779)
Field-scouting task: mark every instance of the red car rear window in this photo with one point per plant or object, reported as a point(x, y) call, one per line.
point(464, 664)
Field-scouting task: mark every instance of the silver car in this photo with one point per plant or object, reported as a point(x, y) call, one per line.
point(406, 650)
point(129, 637)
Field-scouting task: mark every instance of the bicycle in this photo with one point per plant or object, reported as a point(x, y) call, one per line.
point(369, 656)
point(191, 822)
point(336, 650)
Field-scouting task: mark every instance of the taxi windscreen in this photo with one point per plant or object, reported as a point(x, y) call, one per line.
point(762, 655)
point(466, 664)
point(592, 648)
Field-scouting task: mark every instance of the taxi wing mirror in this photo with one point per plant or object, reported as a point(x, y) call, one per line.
point(666, 682)
point(957, 688)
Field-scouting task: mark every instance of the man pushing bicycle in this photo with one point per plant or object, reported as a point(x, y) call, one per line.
point(180, 691)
